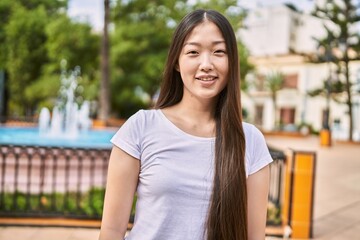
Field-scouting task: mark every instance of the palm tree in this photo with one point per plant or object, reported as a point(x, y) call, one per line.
point(274, 83)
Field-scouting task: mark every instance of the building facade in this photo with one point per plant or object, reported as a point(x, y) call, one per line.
point(281, 40)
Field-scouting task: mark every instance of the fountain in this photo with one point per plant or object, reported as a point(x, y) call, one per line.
point(67, 117)
point(68, 125)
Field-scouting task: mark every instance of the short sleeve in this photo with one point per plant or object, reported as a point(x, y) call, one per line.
point(258, 152)
point(128, 137)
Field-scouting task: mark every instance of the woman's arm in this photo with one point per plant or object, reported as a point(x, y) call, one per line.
point(122, 179)
point(257, 191)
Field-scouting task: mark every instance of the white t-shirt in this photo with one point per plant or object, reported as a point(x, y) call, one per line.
point(176, 174)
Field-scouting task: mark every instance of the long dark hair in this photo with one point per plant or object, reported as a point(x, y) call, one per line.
point(227, 215)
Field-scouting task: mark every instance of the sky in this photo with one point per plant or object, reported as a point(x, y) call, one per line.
point(91, 11)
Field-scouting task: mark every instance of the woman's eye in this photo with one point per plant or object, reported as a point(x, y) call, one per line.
point(192, 52)
point(220, 51)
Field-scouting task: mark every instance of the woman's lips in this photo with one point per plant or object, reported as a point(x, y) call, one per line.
point(206, 81)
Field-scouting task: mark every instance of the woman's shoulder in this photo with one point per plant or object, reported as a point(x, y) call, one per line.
point(139, 122)
point(250, 128)
point(251, 131)
point(144, 117)
point(144, 114)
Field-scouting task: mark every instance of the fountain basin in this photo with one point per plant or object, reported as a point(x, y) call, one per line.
point(32, 137)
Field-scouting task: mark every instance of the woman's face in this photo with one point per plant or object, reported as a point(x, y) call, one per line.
point(203, 62)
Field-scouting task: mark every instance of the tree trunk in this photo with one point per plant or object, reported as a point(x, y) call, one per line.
point(274, 99)
point(349, 99)
point(104, 110)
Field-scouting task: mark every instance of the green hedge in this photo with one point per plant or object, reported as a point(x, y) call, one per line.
point(88, 204)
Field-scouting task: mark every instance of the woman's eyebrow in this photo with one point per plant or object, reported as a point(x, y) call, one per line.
point(199, 44)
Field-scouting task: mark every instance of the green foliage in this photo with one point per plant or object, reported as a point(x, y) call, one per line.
point(8, 7)
point(35, 35)
point(273, 215)
point(73, 42)
point(43, 91)
point(26, 51)
point(335, 90)
point(88, 204)
point(139, 47)
point(245, 66)
point(72, 203)
point(93, 202)
point(51, 6)
point(5, 10)
point(274, 81)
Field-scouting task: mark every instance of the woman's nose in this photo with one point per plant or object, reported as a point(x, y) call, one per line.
point(206, 63)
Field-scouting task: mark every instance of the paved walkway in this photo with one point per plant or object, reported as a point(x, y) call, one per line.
point(337, 195)
point(337, 186)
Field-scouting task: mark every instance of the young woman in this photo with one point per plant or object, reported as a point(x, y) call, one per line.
point(199, 172)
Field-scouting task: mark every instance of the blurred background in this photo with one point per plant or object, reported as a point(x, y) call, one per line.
point(72, 71)
point(299, 64)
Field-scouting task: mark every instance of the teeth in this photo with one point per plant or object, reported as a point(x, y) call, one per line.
point(206, 79)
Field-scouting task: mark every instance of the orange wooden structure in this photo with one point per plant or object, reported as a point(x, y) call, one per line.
point(298, 198)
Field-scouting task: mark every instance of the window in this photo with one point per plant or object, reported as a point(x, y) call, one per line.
point(290, 81)
point(287, 116)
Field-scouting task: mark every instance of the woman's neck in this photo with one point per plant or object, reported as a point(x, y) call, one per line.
point(195, 119)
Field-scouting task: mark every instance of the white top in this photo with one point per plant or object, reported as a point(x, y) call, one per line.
point(176, 174)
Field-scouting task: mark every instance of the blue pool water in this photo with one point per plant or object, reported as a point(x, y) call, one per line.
point(31, 137)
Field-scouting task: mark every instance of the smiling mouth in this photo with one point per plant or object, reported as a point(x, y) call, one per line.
point(206, 79)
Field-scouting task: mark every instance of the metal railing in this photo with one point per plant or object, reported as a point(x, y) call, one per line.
point(277, 170)
point(70, 182)
point(42, 181)
point(276, 189)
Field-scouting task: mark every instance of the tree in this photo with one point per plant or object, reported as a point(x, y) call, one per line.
point(274, 82)
point(25, 42)
point(105, 78)
point(325, 91)
point(332, 88)
point(6, 10)
point(343, 15)
point(140, 42)
point(35, 35)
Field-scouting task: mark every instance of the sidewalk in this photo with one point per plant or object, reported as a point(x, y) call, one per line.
point(336, 204)
point(48, 233)
point(337, 186)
